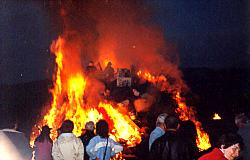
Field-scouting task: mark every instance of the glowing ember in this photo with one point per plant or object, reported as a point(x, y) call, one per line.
point(69, 102)
point(216, 116)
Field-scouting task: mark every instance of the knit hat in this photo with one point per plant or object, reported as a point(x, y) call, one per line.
point(90, 126)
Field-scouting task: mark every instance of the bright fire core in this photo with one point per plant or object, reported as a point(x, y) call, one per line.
point(69, 102)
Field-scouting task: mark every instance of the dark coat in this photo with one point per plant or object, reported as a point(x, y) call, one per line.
point(171, 146)
point(86, 137)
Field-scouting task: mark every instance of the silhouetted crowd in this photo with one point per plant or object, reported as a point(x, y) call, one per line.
point(171, 139)
point(90, 145)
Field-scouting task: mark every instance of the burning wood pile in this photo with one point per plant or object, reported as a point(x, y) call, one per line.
point(76, 90)
point(70, 102)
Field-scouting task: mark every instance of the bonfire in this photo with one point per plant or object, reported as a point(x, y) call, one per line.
point(124, 42)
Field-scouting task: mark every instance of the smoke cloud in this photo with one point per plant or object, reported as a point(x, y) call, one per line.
point(121, 32)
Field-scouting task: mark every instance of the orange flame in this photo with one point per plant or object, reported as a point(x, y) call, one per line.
point(216, 116)
point(159, 81)
point(68, 102)
point(151, 78)
point(185, 113)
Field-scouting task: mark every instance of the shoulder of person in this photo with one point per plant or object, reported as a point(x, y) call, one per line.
point(95, 138)
point(10, 130)
point(78, 140)
point(112, 141)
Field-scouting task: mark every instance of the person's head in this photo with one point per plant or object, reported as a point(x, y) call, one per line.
point(102, 128)
point(67, 126)
point(45, 130)
point(90, 126)
point(188, 129)
point(107, 92)
point(109, 64)
point(172, 123)
point(161, 119)
point(44, 134)
point(241, 120)
point(230, 144)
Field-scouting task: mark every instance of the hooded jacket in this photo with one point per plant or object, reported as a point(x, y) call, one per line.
point(97, 146)
point(68, 147)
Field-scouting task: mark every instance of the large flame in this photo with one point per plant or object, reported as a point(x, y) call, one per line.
point(185, 112)
point(69, 102)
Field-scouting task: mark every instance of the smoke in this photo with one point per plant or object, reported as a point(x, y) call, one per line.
point(144, 104)
point(94, 90)
point(121, 32)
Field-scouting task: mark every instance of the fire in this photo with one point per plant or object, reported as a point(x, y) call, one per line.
point(107, 54)
point(159, 81)
point(69, 102)
point(106, 61)
point(123, 126)
point(150, 77)
point(76, 86)
point(216, 116)
point(187, 113)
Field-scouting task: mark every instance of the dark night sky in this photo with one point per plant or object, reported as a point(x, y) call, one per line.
point(209, 34)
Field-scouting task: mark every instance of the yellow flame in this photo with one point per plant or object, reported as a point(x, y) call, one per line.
point(68, 103)
point(216, 116)
point(106, 61)
point(124, 129)
point(151, 78)
point(187, 113)
point(76, 88)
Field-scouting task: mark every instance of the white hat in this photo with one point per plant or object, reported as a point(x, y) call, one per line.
point(161, 118)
